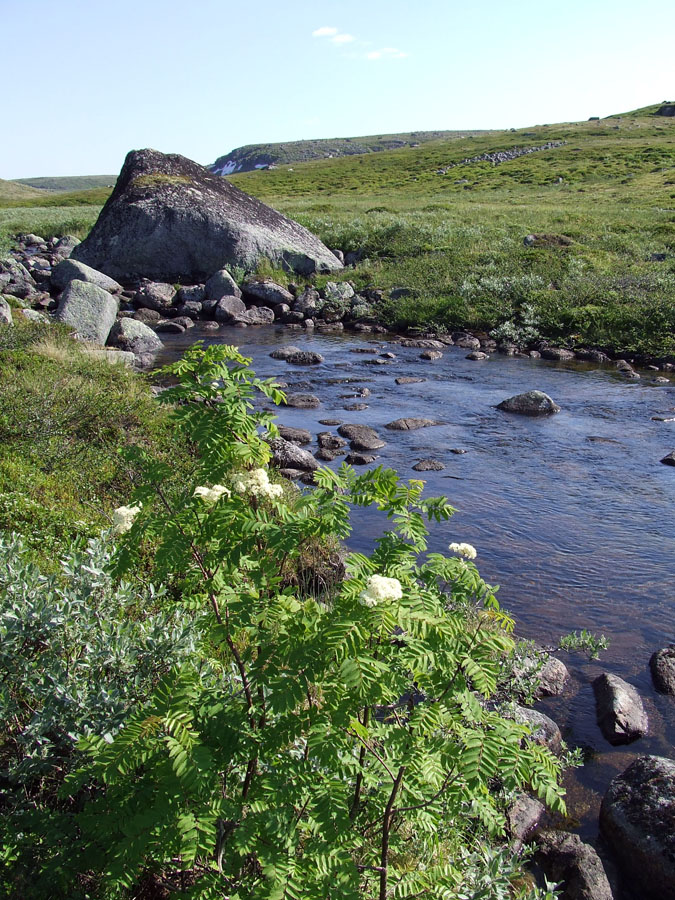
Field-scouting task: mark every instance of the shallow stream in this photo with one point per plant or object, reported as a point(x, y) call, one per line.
point(572, 515)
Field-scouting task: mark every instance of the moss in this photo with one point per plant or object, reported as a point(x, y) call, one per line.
point(158, 178)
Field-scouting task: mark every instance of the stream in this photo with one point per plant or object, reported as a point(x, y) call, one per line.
point(572, 515)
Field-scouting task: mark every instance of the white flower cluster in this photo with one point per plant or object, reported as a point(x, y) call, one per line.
point(466, 550)
point(123, 518)
point(211, 495)
point(379, 589)
point(256, 483)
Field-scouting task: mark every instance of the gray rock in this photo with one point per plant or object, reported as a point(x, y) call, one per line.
point(185, 321)
point(228, 308)
point(410, 424)
point(669, 459)
point(355, 407)
point(361, 437)
point(266, 293)
point(169, 326)
point(169, 218)
point(222, 284)
point(65, 245)
point(70, 270)
point(360, 459)
point(304, 358)
point(423, 343)
point(338, 290)
point(289, 456)
point(565, 858)
point(543, 729)
point(662, 666)
point(591, 355)
point(256, 315)
point(20, 283)
point(190, 310)
point(147, 316)
point(428, 465)
point(330, 422)
point(408, 379)
point(557, 353)
point(284, 352)
point(467, 342)
point(134, 336)
point(306, 303)
point(192, 293)
point(5, 312)
point(294, 435)
point(88, 309)
point(292, 317)
point(531, 403)
point(156, 295)
point(522, 818)
point(620, 713)
point(477, 355)
point(327, 455)
point(302, 401)
point(32, 315)
point(328, 441)
point(637, 819)
point(431, 354)
point(552, 678)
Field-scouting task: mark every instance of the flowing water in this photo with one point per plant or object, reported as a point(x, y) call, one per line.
point(572, 515)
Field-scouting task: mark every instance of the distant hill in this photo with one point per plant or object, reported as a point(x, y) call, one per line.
point(666, 109)
point(69, 183)
point(264, 156)
point(12, 190)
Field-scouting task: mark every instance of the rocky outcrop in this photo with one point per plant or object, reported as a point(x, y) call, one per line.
point(621, 715)
point(170, 219)
point(88, 309)
point(637, 819)
point(531, 403)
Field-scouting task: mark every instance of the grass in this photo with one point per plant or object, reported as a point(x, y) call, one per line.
point(455, 240)
point(64, 417)
point(69, 183)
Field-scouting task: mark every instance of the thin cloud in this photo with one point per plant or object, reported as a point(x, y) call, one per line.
point(386, 53)
point(342, 38)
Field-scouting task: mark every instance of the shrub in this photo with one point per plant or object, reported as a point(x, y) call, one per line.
point(311, 746)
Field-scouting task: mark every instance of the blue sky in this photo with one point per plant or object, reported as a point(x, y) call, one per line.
point(88, 80)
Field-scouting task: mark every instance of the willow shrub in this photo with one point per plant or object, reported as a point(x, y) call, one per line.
point(333, 746)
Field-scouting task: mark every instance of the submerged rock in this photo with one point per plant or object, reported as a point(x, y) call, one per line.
point(169, 218)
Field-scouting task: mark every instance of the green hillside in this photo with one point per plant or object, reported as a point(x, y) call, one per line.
point(12, 191)
point(69, 183)
point(252, 156)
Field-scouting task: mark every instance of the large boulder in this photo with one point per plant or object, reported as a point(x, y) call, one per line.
point(88, 309)
point(637, 819)
point(289, 456)
point(169, 219)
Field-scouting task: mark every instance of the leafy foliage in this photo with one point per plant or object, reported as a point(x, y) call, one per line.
point(308, 746)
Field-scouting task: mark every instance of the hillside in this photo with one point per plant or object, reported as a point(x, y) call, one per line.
point(12, 190)
point(69, 183)
point(262, 156)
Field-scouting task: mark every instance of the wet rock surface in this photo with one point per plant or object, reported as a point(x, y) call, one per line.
point(530, 403)
point(662, 666)
point(621, 715)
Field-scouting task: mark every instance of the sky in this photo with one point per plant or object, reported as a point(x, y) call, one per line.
point(88, 80)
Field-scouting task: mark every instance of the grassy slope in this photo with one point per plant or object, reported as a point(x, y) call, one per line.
point(12, 191)
point(456, 240)
point(302, 151)
point(68, 183)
